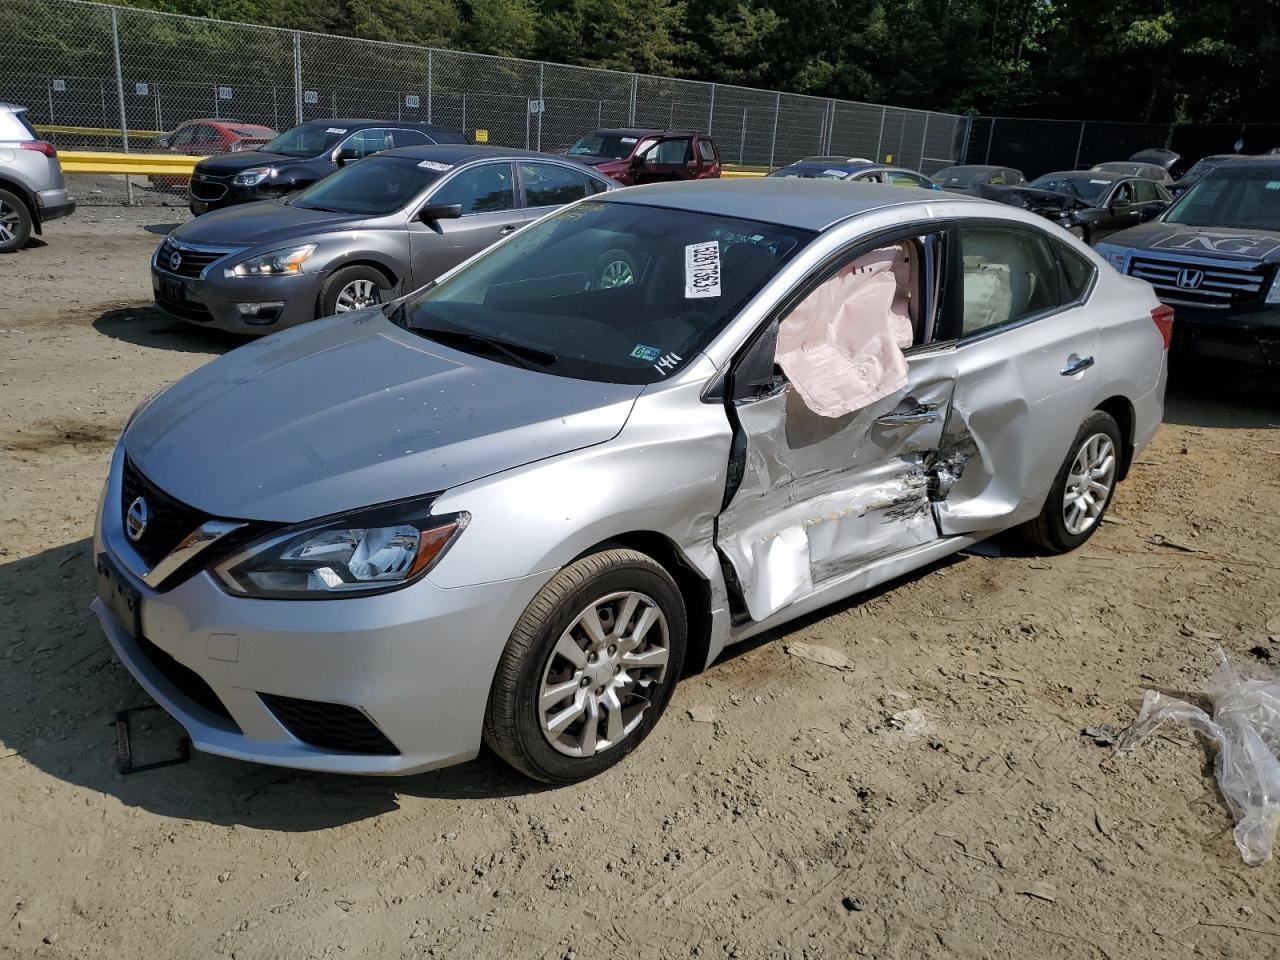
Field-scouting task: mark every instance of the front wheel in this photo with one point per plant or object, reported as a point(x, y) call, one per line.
point(589, 667)
point(1082, 490)
point(351, 288)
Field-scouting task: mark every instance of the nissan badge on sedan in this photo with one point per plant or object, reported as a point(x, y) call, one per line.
point(516, 506)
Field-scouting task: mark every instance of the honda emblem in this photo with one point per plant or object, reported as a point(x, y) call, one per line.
point(1189, 279)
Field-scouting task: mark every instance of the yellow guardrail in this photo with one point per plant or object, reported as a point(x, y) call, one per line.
point(177, 165)
point(97, 131)
point(156, 164)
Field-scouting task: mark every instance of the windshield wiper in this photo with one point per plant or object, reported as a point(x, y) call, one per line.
point(522, 356)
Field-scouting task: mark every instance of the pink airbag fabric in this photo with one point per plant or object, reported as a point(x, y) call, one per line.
point(841, 348)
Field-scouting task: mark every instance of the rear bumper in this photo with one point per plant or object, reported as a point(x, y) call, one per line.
point(55, 204)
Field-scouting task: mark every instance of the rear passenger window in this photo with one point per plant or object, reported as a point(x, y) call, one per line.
point(1077, 273)
point(546, 184)
point(1008, 275)
point(408, 138)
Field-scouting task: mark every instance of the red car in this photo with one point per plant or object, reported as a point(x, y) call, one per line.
point(204, 137)
point(648, 156)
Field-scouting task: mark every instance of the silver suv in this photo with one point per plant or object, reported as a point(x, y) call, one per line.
point(31, 186)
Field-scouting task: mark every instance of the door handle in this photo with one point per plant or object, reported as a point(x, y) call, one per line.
point(509, 228)
point(924, 413)
point(1076, 363)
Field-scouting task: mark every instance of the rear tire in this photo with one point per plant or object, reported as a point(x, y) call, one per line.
point(1082, 490)
point(15, 222)
point(564, 706)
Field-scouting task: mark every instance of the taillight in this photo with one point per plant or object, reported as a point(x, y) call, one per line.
point(1163, 318)
point(40, 146)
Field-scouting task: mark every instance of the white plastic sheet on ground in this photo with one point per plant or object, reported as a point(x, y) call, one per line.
point(1245, 726)
point(841, 347)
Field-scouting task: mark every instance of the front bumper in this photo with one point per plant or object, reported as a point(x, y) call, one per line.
point(55, 204)
point(214, 300)
point(1248, 336)
point(201, 198)
point(417, 663)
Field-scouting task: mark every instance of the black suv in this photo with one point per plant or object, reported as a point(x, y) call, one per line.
point(1215, 258)
point(300, 157)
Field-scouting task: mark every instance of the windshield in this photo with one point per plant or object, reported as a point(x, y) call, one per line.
point(308, 140)
point(1080, 185)
point(958, 177)
point(615, 145)
point(811, 172)
point(373, 186)
point(613, 292)
point(1201, 167)
point(1231, 196)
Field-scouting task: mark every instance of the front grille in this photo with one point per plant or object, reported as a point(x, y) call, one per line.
point(191, 262)
point(186, 309)
point(169, 521)
point(205, 189)
point(187, 682)
point(330, 726)
point(1221, 285)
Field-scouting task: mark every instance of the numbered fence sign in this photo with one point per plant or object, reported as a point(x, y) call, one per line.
point(59, 86)
point(141, 89)
point(224, 93)
point(310, 96)
point(411, 100)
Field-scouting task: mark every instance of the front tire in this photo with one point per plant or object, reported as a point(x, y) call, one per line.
point(351, 288)
point(1082, 490)
point(15, 222)
point(589, 668)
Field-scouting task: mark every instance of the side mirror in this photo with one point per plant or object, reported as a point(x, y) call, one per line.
point(346, 155)
point(440, 211)
point(162, 143)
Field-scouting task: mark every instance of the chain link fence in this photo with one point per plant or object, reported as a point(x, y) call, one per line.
point(99, 77)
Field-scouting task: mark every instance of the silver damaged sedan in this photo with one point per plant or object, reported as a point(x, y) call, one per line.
point(514, 507)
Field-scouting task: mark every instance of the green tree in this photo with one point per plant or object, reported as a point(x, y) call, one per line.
point(505, 28)
point(647, 37)
point(432, 23)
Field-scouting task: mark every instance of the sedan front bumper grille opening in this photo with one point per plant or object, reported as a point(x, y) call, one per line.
point(330, 726)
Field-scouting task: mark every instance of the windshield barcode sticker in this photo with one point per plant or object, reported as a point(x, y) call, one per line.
point(702, 269)
point(336, 130)
point(435, 165)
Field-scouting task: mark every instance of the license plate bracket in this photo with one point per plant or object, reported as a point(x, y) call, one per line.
point(173, 290)
point(121, 598)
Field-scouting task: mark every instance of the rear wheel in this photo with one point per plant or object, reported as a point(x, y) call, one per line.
point(1082, 490)
point(589, 667)
point(15, 222)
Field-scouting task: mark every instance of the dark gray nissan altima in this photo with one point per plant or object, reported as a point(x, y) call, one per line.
point(383, 226)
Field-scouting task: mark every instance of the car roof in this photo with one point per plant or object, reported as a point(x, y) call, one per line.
point(11, 107)
point(1091, 174)
point(350, 124)
point(857, 166)
point(456, 153)
point(647, 132)
point(786, 201)
point(977, 166)
point(1262, 161)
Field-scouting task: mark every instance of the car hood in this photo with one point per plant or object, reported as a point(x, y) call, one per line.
point(262, 222)
point(1257, 246)
point(354, 411)
point(225, 164)
point(1032, 197)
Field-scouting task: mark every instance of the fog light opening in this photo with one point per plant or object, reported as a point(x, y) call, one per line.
point(260, 312)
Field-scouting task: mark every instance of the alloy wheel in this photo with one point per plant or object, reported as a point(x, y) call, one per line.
point(1089, 484)
point(9, 220)
point(603, 673)
point(357, 295)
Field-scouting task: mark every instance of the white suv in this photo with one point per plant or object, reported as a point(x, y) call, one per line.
point(31, 186)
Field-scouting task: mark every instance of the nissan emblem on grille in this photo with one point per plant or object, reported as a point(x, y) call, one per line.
point(1189, 279)
point(135, 521)
point(175, 260)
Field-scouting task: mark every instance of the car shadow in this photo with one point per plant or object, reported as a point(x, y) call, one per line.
point(62, 685)
point(1221, 395)
point(145, 326)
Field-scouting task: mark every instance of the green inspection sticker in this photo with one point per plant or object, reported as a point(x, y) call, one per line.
point(648, 354)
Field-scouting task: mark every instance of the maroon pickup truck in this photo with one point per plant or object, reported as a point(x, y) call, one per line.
point(649, 156)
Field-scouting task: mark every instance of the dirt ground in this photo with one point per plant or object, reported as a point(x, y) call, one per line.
point(802, 821)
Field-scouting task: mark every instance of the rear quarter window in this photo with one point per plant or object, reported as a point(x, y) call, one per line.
point(1077, 273)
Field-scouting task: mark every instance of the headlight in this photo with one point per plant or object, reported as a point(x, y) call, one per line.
point(371, 551)
point(251, 177)
point(1273, 294)
point(1116, 256)
point(276, 264)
